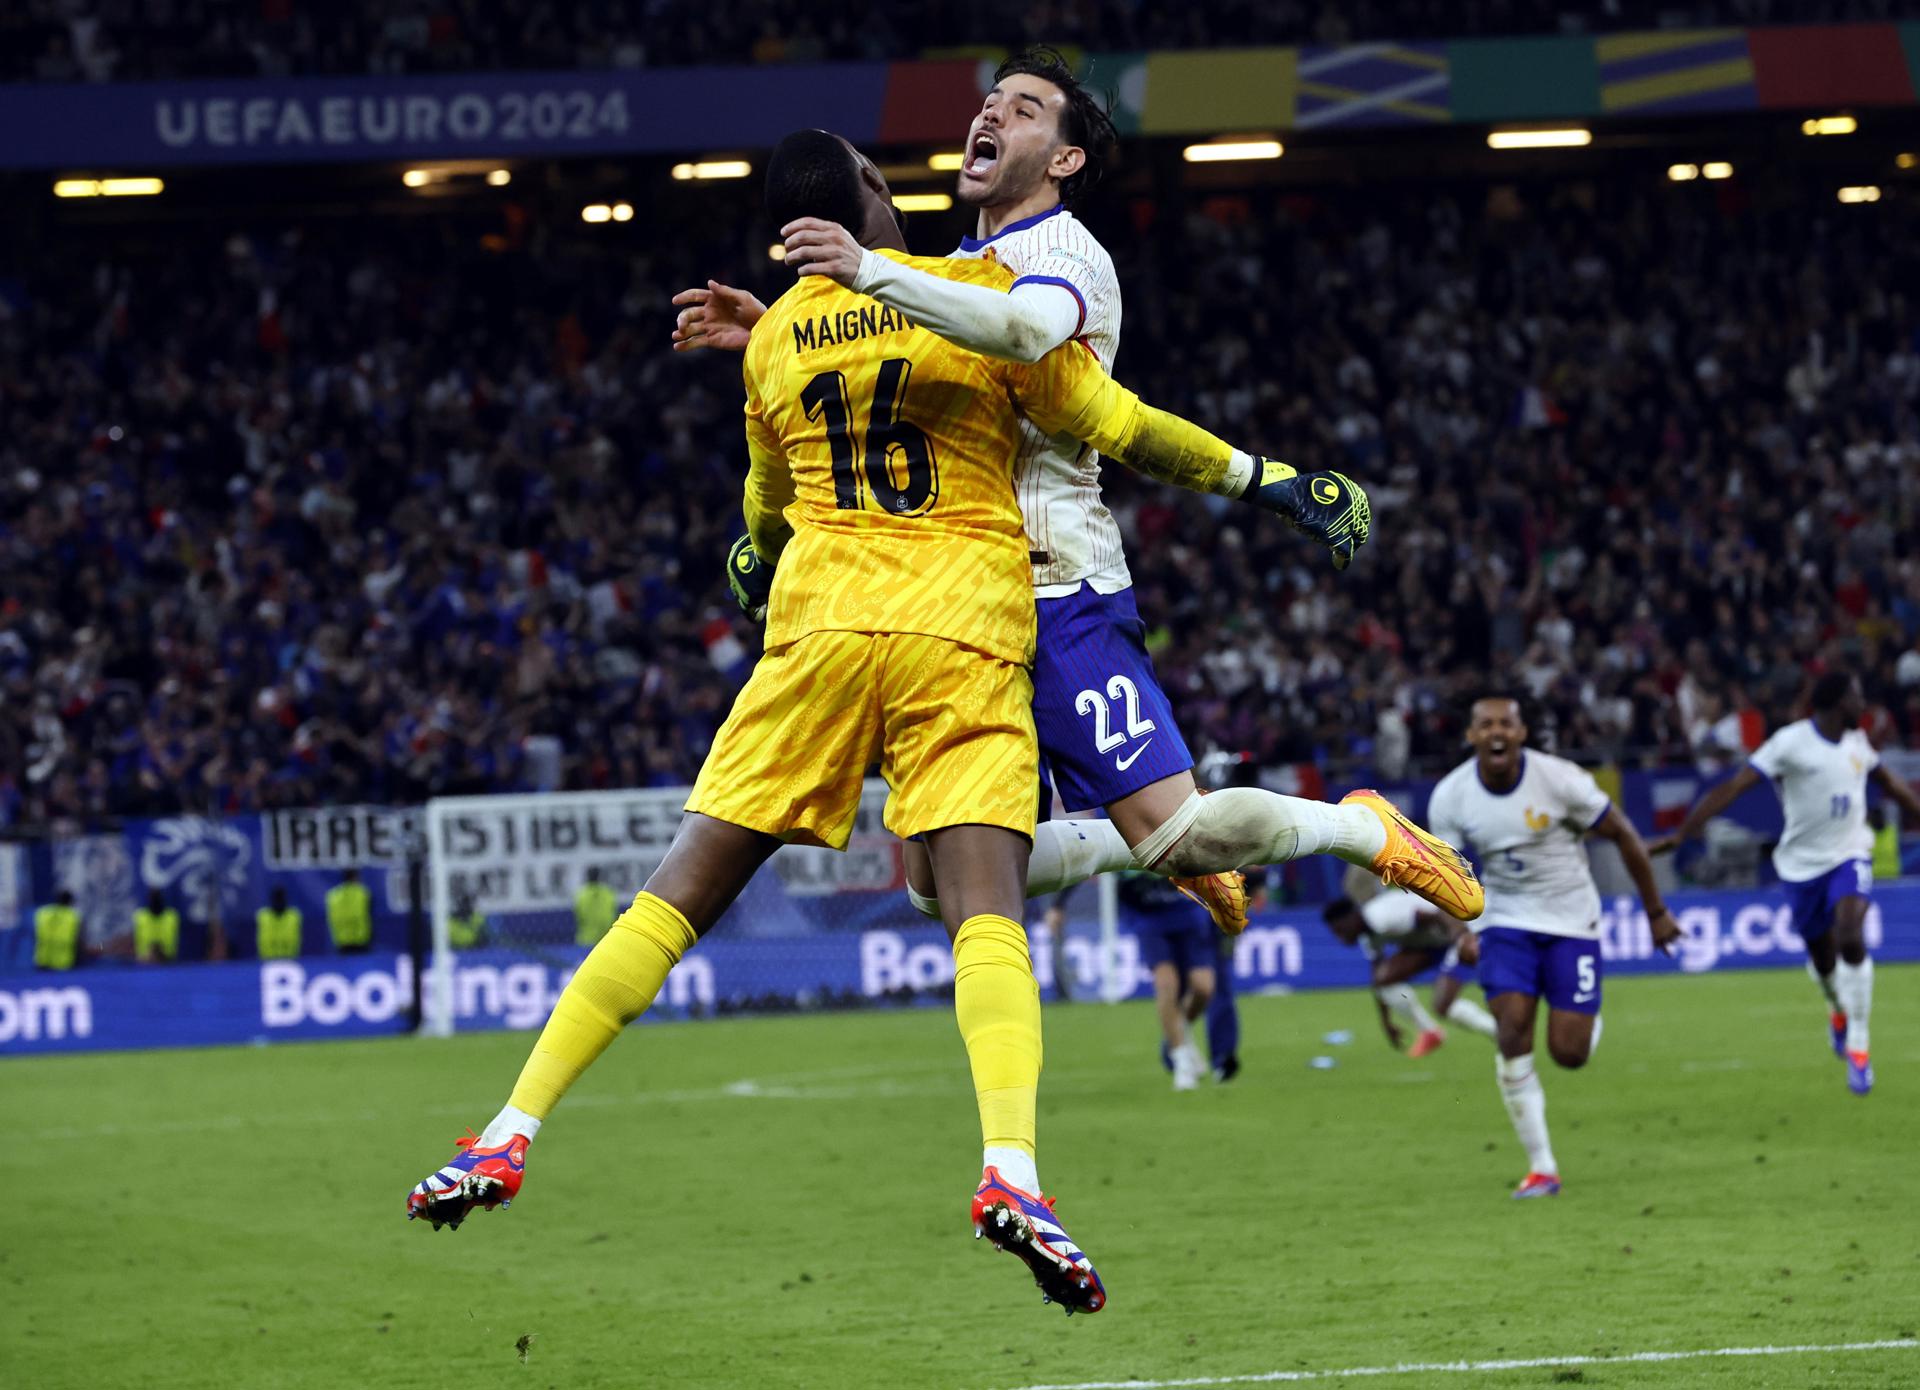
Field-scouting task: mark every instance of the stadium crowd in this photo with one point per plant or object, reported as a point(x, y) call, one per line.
point(371, 509)
point(104, 40)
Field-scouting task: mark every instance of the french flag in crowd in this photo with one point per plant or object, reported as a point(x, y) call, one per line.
point(1296, 779)
point(724, 648)
point(1534, 409)
point(1671, 797)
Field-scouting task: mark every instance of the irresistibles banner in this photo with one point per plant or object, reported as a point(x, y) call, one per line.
point(249, 1002)
point(518, 862)
point(154, 125)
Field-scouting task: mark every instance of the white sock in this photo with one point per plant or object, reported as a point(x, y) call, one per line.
point(1403, 1001)
point(1854, 985)
point(1527, 1108)
point(1244, 825)
point(1826, 987)
point(1593, 1043)
point(1066, 852)
point(1472, 1017)
point(506, 1124)
point(1015, 1165)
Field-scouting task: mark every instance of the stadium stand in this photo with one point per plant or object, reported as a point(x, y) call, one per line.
point(105, 40)
point(376, 509)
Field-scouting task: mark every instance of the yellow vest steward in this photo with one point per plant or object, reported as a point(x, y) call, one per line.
point(593, 912)
point(350, 914)
point(278, 933)
point(156, 933)
point(464, 933)
point(56, 937)
point(1886, 851)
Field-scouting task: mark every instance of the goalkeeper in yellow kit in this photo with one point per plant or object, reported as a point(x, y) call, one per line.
point(899, 630)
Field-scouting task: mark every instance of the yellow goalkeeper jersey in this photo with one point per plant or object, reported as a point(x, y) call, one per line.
point(882, 465)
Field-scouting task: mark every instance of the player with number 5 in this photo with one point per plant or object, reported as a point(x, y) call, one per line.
point(1525, 813)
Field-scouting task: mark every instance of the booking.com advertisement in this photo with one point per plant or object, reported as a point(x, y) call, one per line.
point(109, 1007)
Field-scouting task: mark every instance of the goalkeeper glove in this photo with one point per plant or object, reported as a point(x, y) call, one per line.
point(750, 578)
point(1328, 506)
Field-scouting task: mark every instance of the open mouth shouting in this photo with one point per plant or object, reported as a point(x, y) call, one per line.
point(983, 153)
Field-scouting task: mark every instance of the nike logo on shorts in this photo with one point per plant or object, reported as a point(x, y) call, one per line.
point(1122, 764)
point(1583, 998)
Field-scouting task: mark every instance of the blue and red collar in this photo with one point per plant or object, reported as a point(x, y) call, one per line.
point(968, 243)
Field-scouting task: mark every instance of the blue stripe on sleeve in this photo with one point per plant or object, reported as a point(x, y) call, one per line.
point(1066, 285)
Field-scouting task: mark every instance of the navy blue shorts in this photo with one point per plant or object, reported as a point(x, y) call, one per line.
point(1106, 727)
point(1814, 900)
point(1563, 970)
point(1180, 939)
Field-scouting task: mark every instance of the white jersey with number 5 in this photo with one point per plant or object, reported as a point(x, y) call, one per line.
point(1057, 478)
point(1528, 842)
point(1823, 789)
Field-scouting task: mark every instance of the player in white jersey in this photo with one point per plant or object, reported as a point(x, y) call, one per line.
point(1107, 732)
point(1525, 813)
point(1821, 766)
point(1402, 939)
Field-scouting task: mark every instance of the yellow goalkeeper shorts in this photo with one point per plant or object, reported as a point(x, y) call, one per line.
point(950, 727)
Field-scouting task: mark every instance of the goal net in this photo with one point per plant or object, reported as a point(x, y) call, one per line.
point(815, 928)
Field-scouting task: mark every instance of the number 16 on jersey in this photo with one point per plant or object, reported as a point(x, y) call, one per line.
point(904, 485)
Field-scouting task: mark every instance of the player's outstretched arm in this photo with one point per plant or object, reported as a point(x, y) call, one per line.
point(718, 317)
point(1706, 808)
point(1020, 325)
point(1903, 795)
point(1633, 853)
point(1067, 392)
point(1395, 1038)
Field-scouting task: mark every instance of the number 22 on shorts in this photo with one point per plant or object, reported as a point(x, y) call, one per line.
point(1105, 740)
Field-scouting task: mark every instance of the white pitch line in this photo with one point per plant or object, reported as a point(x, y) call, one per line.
point(1469, 1367)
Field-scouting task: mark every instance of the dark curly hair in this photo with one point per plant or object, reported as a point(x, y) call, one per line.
point(1830, 690)
point(1086, 120)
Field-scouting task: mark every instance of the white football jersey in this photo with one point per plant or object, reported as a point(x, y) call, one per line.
point(1528, 842)
point(1823, 789)
point(1057, 477)
point(1393, 919)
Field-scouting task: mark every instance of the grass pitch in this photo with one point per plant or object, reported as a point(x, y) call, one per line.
point(783, 1203)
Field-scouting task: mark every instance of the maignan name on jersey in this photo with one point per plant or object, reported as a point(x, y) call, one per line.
point(847, 326)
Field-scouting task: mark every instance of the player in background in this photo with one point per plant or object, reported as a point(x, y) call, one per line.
point(900, 629)
point(1176, 945)
point(1107, 731)
point(1402, 940)
point(1526, 813)
point(1223, 1014)
point(1820, 766)
point(1054, 919)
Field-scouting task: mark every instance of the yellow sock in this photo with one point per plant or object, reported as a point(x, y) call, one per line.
point(613, 986)
point(997, 1001)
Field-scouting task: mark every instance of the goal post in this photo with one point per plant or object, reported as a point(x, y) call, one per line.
point(517, 861)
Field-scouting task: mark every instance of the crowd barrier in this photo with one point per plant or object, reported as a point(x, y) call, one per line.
point(129, 1006)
